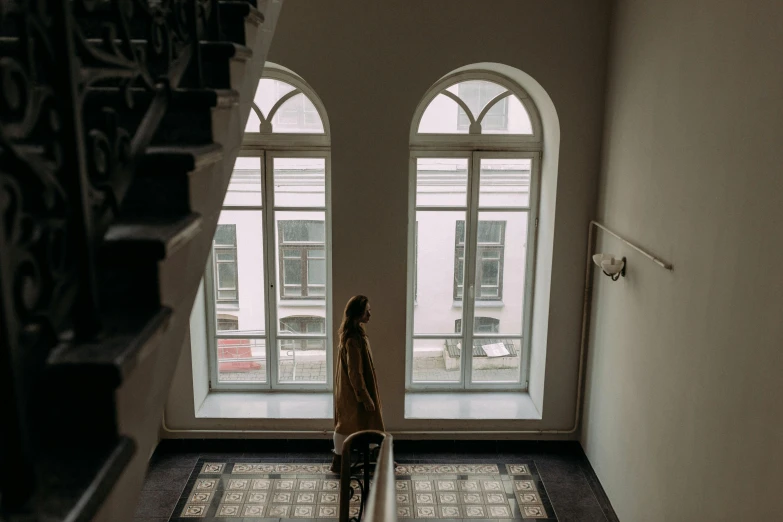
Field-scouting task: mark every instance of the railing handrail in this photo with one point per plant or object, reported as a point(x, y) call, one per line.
point(382, 503)
point(361, 441)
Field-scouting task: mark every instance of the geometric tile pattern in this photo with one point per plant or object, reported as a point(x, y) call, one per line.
point(259, 491)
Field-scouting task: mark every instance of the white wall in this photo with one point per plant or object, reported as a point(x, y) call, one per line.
point(371, 63)
point(683, 411)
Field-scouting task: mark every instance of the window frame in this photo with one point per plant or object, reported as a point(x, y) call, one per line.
point(475, 147)
point(267, 147)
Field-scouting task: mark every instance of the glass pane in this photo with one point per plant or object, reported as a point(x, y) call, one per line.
point(438, 270)
point(297, 115)
point(302, 361)
point(517, 119)
point(500, 274)
point(227, 276)
point(441, 182)
point(241, 360)
point(436, 360)
point(268, 92)
point(496, 360)
point(244, 189)
point(505, 182)
point(477, 94)
point(238, 273)
point(300, 182)
point(441, 117)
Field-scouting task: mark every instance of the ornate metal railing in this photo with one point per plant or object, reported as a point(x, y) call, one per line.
point(68, 68)
point(367, 487)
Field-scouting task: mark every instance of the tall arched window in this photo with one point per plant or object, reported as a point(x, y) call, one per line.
point(476, 146)
point(270, 264)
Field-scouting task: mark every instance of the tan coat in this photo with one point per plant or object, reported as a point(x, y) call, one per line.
point(355, 385)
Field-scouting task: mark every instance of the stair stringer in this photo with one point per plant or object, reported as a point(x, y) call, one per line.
point(141, 397)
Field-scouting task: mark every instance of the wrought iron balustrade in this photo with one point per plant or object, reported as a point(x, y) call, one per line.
point(84, 87)
point(367, 486)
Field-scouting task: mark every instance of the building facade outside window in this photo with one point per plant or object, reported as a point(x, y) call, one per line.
point(268, 283)
point(475, 162)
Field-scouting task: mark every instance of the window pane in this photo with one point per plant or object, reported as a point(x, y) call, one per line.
point(436, 360)
point(500, 271)
point(227, 276)
point(518, 119)
point(477, 94)
point(441, 117)
point(302, 231)
point(505, 183)
point(300, 182)
point(241, 360)
point(237, 274)
point(244, 189)
point(496, 360)
point(316, 272)
point(302, 362)
point(441, 182)
point(438, 270)
point(268, 92)
point(298, 115)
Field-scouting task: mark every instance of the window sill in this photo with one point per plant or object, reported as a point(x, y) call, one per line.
point(470, 406)
point(255, 405)
point(232, 306)
point(481, 304)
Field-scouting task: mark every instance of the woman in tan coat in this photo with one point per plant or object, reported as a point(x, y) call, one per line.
point(357, 405)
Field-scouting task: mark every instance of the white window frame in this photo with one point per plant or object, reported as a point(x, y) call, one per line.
point(474, 148)
point(267, 147)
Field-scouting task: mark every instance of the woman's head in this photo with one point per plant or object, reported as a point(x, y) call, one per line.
point(357, 312)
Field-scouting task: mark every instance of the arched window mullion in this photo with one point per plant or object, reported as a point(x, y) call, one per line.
point(491, 103)
point(281, 101)
point(475, 128)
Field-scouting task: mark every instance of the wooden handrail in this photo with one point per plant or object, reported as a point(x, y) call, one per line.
point(382, 504)
point(359, 473)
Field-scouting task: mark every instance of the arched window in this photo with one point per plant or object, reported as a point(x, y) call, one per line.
point(271, 253)
point(476, 145)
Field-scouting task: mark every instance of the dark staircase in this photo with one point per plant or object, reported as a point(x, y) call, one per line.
point(120, 121)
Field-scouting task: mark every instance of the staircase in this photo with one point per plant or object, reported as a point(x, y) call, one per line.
point(120, 121)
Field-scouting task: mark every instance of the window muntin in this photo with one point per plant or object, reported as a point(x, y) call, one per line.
point(476, 107)
point(281, 107)
point(477, 94)
point(277, 203)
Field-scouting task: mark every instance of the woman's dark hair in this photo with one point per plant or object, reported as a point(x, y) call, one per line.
point(354, 311)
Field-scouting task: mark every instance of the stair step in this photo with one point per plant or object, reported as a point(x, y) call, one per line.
point(76, 483)
point(162, 184)
point(156, 237)
point(159, 160)
point(217, 58)
point(187, 122)
point(108, 360)
point(234, 15)
point(224, 51)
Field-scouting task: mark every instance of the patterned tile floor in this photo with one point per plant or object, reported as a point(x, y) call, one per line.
point(263, 491)
point(282, 481)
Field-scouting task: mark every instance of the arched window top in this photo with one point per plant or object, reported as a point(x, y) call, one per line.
point(476, 106)
point(285, 104)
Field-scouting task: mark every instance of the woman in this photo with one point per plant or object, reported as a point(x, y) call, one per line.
point(357, 405)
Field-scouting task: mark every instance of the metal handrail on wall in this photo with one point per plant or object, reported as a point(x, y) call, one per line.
point(379, 502)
